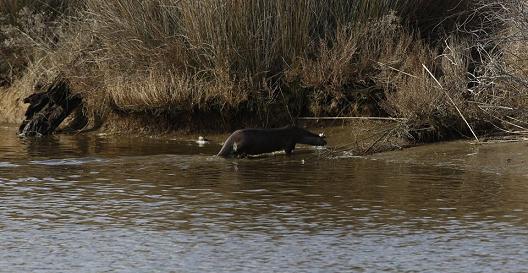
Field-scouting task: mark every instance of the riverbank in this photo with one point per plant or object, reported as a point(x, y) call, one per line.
point(450, 71)
point(351, 137)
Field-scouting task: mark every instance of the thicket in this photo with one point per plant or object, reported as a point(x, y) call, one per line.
point(266, 62)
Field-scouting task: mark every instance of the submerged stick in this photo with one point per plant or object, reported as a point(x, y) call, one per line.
point(453, 102)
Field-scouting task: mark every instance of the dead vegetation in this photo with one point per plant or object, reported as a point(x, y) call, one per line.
point(223, 64)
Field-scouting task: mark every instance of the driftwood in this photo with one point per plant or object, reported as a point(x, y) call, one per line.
point(47, 110)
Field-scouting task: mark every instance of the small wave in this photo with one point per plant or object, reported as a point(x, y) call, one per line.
point(345, 155)
point(8, 165)
point(67, 161)
point(25, 179)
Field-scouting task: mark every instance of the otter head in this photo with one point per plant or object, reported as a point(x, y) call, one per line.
point(307, 137)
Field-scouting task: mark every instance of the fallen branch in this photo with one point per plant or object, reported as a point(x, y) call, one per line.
point(47, 110)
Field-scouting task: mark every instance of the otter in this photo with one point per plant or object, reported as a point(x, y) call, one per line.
point(258, 141)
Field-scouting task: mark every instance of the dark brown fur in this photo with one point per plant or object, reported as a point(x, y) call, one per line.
point(258, 141)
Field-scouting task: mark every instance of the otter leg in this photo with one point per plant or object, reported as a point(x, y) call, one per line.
point(289, 149)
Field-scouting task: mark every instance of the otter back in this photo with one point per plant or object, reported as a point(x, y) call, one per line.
point(258, 141)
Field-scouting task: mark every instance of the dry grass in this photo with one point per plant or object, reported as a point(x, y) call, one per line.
point(269, 61)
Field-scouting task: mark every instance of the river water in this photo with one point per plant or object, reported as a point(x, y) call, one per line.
point(94, 203)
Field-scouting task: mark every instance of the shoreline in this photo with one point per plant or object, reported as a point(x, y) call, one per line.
point(342, 139)
point(358, 135)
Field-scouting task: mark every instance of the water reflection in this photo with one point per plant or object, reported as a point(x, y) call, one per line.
point(96, 203)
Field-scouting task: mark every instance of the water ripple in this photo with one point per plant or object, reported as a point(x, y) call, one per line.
point(67, 161)
point(8, 165)
point(93, 205)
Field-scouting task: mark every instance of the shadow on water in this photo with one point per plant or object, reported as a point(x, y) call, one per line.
point(155, 204)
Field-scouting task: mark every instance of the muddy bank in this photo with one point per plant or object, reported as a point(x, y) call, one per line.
point(356, 137)
point(345, 137)
point(498, 158)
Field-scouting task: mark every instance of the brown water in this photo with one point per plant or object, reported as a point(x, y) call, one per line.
point(113, 204)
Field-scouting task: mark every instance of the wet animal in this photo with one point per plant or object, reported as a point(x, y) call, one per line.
point(246, 142)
